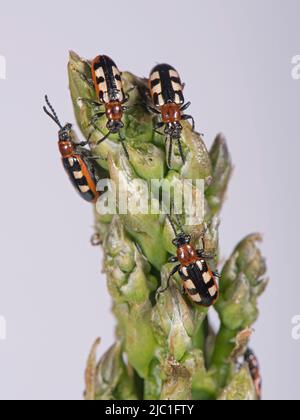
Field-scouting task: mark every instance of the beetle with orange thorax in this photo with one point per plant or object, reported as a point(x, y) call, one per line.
point(199, 281)
point(109, 89)
point(166, 91)
point(76, 160)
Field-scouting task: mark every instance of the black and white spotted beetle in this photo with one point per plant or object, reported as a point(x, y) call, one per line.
point(166, 91)
point(76, 160)
point(108, 85)
point(254, 369)
point(199, 281)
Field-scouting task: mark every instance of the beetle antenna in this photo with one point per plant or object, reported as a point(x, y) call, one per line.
point(51, 114)
point(172, 224)
point(178, 221)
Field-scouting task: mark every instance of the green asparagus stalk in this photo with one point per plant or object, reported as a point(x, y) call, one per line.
point(166, 347)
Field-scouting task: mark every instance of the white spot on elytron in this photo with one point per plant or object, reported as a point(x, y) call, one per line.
point(84, 188)
point(189, 284)
point(78, 175)
point(184, 271)
point(71, 161)
point(155, 76)
point(200, 266)
point(213, 291)
point(173, 73)
point(176, 86)
point(156, 89)
point(105, 96)
point(177, 99)
point(206, 277)
point(103, 85)
point(196, 298)
point(161, 100)
point(100, 73)
point(116, 73)
point(118, 83)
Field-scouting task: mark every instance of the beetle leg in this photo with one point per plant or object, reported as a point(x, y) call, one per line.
point(85, 79)
point(127, 93)
point(157, 126)
point(209, 256)
point(83, 143)
point(152, 110)
point(126, 99)
point(189, 117)
point(95, 158)
point(122, 140)
point(202, 239)
point(103, 138)
point(201, 254)
point(170, 153)
point(92, 124)
point(181, 151)
point(96, 240)
point(174, 271)
point(96, 116)
point(90, 102)
point(185, 106)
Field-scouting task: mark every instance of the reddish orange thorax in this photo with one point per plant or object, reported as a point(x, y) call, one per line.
point(114, 111)
point(170, 113)
point(187, 255)
point(66, 148)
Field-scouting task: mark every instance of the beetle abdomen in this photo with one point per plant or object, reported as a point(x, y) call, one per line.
point(107, 80)
point(81, 177)
point(165, 85)
point(200, 284)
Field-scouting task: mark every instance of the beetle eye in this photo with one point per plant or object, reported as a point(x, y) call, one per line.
point(188, 239)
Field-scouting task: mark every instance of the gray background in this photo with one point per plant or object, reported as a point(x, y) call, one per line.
point(235, 57)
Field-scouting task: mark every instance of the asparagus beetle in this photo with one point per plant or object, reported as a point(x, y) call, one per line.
point(199, 281)
point(254, 369)
point(166, 91)
point(107, 82)
point(75, 159)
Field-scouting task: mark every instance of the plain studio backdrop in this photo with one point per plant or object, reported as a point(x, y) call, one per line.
point(236, 60)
